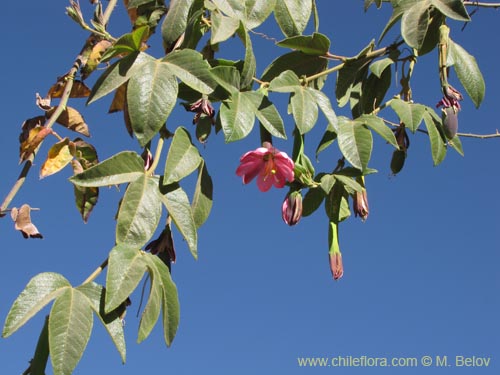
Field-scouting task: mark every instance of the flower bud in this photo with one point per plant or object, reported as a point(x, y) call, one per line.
point(163, 246)
point(291, 210)
point(336, 265)
point(360, 201)
point(450, 122)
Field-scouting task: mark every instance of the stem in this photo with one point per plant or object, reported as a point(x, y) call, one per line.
point(156, 157)
point(51, 121)
point(480, 136)
point(324, 73)
point(97, 272)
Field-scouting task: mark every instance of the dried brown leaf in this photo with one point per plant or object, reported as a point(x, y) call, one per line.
point(79, 89)
point(22, 222)
point(118, 103)
point(43, 103)
point(72, 119)
point(94, 57)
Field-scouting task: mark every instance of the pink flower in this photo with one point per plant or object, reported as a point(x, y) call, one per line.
point(273, 167)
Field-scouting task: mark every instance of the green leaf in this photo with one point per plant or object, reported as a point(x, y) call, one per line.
point(131, 42)
point(298, 62)
point(40, 290)
point(171, 311)
point(117, 74)
point(151, 312)
point(228, 77)
point(151, 96)
point(328, 138)
point(337, 204)
point(378, 67)
point(140, 212)
point(175, 21)
point(287, 81)
point(350, 184)
point(431, 39)
point(353, 72)
point(414, 24)
point(355, 142)
point(249, 64)
point(237, 117)
point(183, 158)
point(325, 105)
point(125, 166)
point(125, 270)
point(39, 362)
point(177, 203)
point(266, 113)
point(112, 322)
point(454, 9)
point(315, 44)
point(312, 200)
point(304, 109)
point(374, 89)
point(438, 148)
point(223, 27)
point(456, 144)
point(190, 67)
point(292, 16)
point(70, 325)
point(203, 196)
point(257, 11)
point(468, 72)
point(399, 7)
point(378, 125)
point(409, 114)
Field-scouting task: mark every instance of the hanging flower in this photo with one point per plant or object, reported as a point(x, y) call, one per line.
point(201, 107)
point(291, 210)
point(336, 265)
point(269, 165)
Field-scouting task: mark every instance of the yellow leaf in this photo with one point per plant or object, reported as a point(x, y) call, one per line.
point(59, 155)
point(31, 139)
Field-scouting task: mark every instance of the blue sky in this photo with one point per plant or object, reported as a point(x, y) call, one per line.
point(421, 275)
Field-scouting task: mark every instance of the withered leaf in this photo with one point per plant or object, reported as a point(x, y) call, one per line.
point(72, 119)
point(59, 156)
point(79, 89)
point(22, 222)
point(132, 13)
point(126, 119)
point(118, 103)
point(43, 103)
point(28, 125)
point(35, 136)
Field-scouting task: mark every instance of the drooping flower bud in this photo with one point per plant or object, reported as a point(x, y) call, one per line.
point(201, 107)
point(291, 210)
point(336, 265)
point(450, 122)
point(360, 201)
point(163, 246)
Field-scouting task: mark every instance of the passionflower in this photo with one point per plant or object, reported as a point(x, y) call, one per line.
point(270, 165)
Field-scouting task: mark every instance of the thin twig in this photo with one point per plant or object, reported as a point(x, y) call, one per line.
point(97, 272)
point(481, 4)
